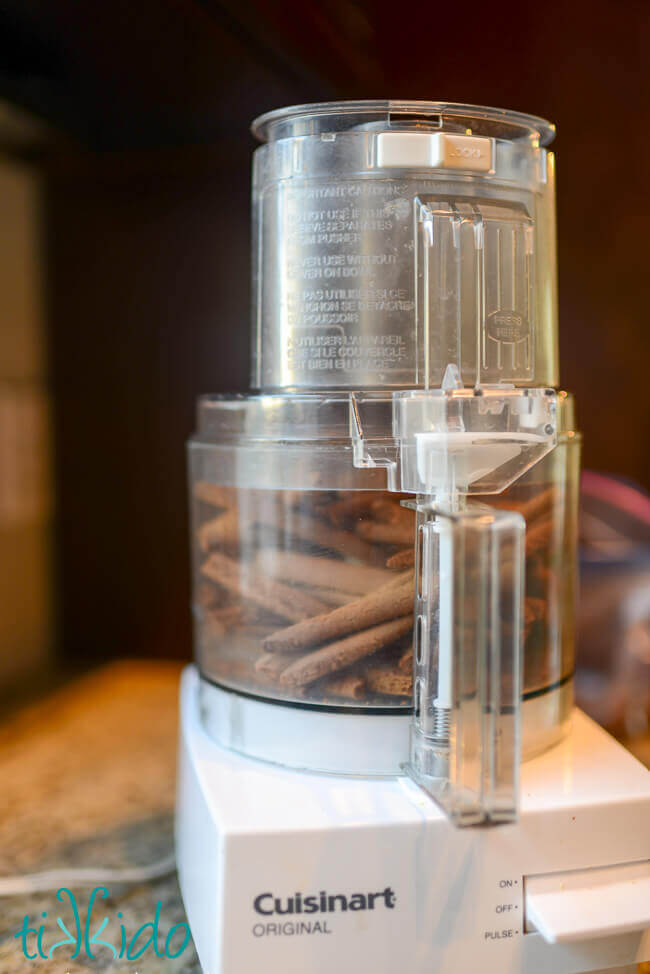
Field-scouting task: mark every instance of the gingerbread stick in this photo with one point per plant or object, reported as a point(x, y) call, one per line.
point(342, 653)
point(384, 604)
point(213, 625)
point(239, 616)
point(215, 494)
point(538, 536)
point(272, 664)
point(405, 662)
point(325, 536)
point(353, 504)
point(385, 679)
point(247, 583)
point(392, 532)
point(390, 511)
point(208, 596)
point(534, 610)
point(291, 566)
point(398, 579)
point(220, 532)
point(395, 532)
point(330, 596)
point(349, 685)
point(402, 559)
point(277, 508)
point(541, 502)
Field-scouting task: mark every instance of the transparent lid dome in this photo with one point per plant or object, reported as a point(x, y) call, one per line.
point(340, 116)
point(392, 239)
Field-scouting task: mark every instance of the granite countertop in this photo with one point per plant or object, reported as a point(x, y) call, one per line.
point(88, 780)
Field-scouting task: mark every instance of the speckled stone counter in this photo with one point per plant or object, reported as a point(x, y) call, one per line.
point(87, 780)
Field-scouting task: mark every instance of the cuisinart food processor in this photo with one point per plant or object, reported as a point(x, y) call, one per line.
point(381, 767)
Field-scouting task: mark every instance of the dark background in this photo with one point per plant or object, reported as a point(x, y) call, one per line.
point(147, 239)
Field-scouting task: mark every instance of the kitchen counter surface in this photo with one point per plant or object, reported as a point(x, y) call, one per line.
point(88, 779)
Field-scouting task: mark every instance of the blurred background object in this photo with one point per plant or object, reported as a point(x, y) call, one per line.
point(142, 225)
point(613, 679)
point(26, 569)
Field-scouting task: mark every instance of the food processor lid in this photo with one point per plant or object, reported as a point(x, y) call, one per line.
point(336, 116)
point(395, 238)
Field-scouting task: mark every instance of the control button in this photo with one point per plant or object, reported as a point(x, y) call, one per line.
point(433, 150)
point(588, 903)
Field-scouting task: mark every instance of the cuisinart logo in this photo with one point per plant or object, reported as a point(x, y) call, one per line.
point(269, 905)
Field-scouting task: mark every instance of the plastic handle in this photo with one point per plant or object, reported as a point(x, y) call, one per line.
point(475, 301)
point(466, 730)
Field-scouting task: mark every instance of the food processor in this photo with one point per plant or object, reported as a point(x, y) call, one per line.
point(380, 760)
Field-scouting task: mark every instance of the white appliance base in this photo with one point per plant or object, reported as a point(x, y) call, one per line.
point(300, 873)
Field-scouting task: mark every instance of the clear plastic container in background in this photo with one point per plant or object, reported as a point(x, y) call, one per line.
point(613, 677)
